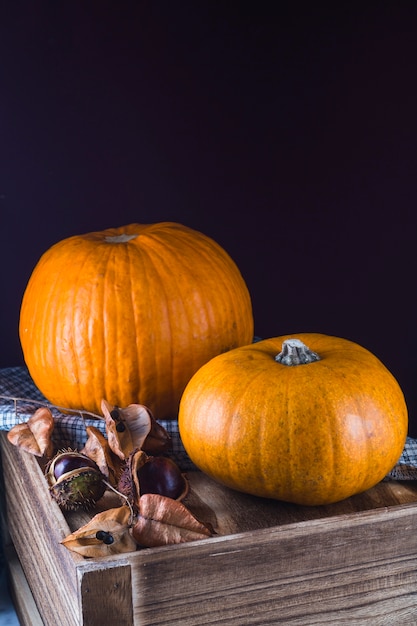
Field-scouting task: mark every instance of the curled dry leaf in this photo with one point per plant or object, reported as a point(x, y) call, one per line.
point(35, 435)
point(97, 448)
point(105, 534)
point(126, 428)
point(134, 427)
point(163, 521)
point(157, 440)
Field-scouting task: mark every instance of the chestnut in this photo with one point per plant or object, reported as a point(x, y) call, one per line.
point(75, 480)
point(161, 475)
point(69, 461)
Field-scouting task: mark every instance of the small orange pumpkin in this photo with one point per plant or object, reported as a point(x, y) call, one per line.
point(130, 314)
point(310, 421)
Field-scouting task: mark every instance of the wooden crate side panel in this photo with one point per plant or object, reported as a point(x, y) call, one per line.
point(106, 594)
point(334, 571)
point(36, 528)
point(26, 609)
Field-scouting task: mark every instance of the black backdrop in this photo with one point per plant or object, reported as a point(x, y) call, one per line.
point(285, 130)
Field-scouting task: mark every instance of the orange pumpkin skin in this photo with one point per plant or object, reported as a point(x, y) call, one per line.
point(310, 434)
point(130, 314)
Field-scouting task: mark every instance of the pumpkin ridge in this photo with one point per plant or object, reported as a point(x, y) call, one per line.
point(333, 469)
point(97, 341)
point(281, 443)
point(367, 452)
point(171, 346)
point(212, 253)
point(236, 306)
point(290, 479)
point(125, 321)
point(92, 339)
point(245, 396)
point(34, 327)
point(133, 253)
point(161, 263)
point(55, 330)
point(148, 356)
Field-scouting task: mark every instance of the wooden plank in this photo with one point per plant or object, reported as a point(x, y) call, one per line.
point(326, 571)
point(26, 609)
point(106, 594)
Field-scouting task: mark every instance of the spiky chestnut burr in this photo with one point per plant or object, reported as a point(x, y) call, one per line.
point(75, 480)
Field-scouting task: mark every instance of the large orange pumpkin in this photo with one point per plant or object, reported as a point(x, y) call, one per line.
point(130, 314)
point(310, 421)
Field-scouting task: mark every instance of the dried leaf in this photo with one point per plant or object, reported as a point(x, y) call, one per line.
point(97, 448)
point(138, 420)
point(35, 435)
point(126, 428)
point(22, 437)
point(158, 439)
point(163, 521)
point(105, 534)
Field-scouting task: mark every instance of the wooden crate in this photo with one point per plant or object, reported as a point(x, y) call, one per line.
point(354, 562)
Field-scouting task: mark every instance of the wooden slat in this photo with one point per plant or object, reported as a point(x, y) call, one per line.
point(106, 594)
point(26, 609)
point(326, 571)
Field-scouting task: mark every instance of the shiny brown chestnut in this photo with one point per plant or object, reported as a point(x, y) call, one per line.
point(75, 480)
point(161, 475)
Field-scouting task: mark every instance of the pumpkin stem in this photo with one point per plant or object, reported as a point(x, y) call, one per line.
point(123, 238)
point(295, 352)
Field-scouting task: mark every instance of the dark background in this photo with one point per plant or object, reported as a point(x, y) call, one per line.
point(284, 130)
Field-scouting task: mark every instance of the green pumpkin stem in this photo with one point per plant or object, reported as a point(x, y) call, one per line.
point(295, 352)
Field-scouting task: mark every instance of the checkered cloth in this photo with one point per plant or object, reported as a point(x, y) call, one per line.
point(406, 468)
point(19, 399)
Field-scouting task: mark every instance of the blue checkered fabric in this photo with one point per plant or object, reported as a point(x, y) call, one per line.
point(19, 399)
